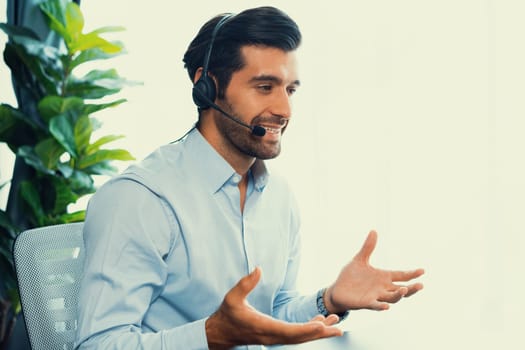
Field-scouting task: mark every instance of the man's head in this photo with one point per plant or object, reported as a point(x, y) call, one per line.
point(253, 69)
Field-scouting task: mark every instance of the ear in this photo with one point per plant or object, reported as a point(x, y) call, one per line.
point(197, 75)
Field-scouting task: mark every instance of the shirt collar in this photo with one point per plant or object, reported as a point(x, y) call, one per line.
point(260, 174)
point(212, 169)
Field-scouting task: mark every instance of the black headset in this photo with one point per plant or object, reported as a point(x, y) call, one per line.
point(204, 90)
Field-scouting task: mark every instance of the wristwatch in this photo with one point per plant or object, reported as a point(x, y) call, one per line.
point(321, 307)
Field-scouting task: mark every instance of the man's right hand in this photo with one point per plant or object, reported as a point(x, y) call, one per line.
point(236, 322)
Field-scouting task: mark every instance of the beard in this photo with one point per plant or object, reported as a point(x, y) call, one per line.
point(241, 139)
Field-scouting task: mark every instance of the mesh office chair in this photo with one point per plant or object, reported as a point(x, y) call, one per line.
point(48, 263)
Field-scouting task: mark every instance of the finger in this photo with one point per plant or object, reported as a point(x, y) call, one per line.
point(406, 275)
point(245, 285)
point(379, 306)
point(320, 318)
point(274, 331)
point(393, 296)
point(300, 333)
point(413, 289)
point(368, 247)
point(330, 320)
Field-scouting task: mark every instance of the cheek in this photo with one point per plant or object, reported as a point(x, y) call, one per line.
point(249, 108)
point(248, 103)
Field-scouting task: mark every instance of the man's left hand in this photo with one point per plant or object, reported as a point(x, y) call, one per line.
point(362, 286)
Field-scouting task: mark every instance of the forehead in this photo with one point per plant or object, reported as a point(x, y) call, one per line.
point(268, 61)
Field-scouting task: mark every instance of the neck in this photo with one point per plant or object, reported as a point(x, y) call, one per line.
point(239, 161)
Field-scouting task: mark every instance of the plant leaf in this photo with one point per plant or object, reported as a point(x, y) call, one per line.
point(74, 20)
point(7, 270)
point(14, 297)
point(42, 60)
point(49, 152)
point(64, 196)
point(93, 40)
point(108, 29)
point(93, 54)
point(32, 199)
point(21, 74)
point(97, 74)
point(83, 130)
point(16, 129)
point(81, 182)
point(5, 223)
point(65, 169)
point(51, 106)
point(95, 123)
point(96, 84)
point(92, 108)
point(102, 168)
point(32, 159)
point(4, 252)
point(102, 141)
point(54, 11)
point(62, 128)
point(104, 155)
point(77, 216)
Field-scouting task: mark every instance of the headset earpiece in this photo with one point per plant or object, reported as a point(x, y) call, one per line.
point(204, 90)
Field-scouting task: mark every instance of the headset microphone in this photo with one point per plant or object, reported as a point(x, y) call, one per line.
point(256, 129)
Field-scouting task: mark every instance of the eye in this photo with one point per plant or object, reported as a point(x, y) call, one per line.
point(265, 88)
point(291, 90)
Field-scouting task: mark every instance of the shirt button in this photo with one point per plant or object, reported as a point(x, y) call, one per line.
point(236, 179)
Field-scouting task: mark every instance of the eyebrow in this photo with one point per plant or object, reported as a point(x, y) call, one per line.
point(271, 78)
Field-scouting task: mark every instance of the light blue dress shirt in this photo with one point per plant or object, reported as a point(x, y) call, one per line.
point(166, 240)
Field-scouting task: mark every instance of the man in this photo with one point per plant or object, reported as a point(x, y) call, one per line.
point(197, 246)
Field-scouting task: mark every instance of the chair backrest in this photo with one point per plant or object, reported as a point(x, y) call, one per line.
point(48, 263)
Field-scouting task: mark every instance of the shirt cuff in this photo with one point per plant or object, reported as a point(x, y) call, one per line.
point(191, 336)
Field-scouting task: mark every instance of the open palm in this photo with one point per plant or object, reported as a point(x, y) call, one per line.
point(362, 286)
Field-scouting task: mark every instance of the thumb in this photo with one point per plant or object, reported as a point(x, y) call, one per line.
point(368, 247)
point(246, 284)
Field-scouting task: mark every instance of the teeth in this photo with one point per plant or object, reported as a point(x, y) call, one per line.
point(275, 127)
point(272, 130)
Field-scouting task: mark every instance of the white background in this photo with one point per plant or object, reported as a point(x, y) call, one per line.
point(409, 121)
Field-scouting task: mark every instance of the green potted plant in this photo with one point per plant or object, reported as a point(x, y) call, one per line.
point(51, 133)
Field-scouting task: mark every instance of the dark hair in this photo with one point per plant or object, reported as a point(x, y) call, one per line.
point(265, 26)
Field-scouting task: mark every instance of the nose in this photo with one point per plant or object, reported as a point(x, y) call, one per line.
point(281, 105)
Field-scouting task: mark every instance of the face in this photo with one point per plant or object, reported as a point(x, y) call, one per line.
point(259, 94)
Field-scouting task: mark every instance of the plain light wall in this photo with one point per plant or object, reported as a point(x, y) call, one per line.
point(409, 121)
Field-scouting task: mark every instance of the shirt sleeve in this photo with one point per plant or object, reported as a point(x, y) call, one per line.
point(289, 305)
point(127, 235)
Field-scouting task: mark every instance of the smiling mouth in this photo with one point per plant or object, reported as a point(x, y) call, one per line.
point(272, 130)
point(275, 128)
